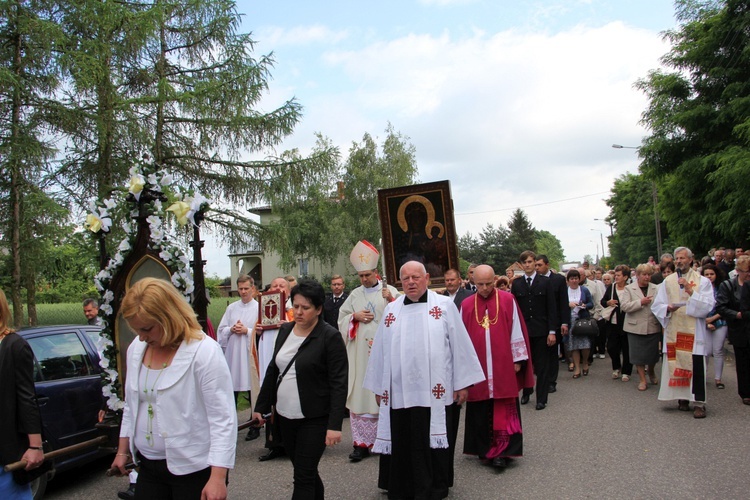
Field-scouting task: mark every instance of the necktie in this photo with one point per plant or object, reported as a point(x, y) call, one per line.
point(528, 280)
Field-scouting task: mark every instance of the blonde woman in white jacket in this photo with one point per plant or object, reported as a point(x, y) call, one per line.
point(179, 422)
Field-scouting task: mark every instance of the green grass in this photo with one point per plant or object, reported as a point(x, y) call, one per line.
point(71, 313)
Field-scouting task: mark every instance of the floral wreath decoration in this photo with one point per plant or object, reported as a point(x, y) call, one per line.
point(184, 206)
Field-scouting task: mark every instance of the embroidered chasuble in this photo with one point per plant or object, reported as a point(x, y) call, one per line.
point(358, 346)
point(684, 330)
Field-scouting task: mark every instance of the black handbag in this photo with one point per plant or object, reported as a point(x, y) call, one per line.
point(585, 327)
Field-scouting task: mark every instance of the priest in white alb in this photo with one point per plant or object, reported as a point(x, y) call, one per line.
point(358, 321)
point(681, 305)
point(235, 331)
point(422, 360)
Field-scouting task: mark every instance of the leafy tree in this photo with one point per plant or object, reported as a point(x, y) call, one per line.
point(327, 219)
point(490, 248)
point(548, 244)
point(632, 216)
point(699, 118)
point(521, 236)
point(27, 77)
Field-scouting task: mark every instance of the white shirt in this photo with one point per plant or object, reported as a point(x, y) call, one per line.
point(287, 400)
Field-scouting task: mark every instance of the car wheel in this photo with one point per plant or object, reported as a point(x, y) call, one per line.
point(38, 486)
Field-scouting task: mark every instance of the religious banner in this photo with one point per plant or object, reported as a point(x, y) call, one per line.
point(417, 224)
point(272, 310)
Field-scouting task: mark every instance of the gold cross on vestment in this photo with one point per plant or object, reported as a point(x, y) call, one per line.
point(486, 321)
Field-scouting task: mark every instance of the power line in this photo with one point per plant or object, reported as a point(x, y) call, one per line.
point(535, 204)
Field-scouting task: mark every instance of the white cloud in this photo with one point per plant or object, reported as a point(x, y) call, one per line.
point(275, 36)
point(510, 118)
point(513, 118)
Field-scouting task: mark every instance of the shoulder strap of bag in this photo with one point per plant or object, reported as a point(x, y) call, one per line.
point(291, 362)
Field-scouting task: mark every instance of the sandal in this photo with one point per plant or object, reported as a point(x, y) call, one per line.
point(719, 384)
point(576, 375)
point(642, 386)
point(615, 374)
point(585, 372)
point(626, 378)
point(571, 367)
point(699, 412)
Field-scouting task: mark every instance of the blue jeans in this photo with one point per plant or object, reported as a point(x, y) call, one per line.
point(10, 490)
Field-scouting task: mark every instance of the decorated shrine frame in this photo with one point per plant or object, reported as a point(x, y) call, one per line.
point(417, 224)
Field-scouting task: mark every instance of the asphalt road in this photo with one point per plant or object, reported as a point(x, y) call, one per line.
point(598, 438)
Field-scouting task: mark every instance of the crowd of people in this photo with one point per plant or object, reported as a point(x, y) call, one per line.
point(400, 365)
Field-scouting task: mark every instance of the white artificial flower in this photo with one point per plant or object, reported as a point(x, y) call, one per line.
point(109, 203)
point(166, 178)
point(165, 255)
point(109, 296)
point(107, 309)
point(153, 180)
point(124, 246)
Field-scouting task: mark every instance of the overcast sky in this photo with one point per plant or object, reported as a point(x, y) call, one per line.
point(516, 103)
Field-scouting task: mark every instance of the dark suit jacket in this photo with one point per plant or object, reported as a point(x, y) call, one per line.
point(538, 305)
point(560, 289)
point(19, 412)
point(461, 294)
point(728, 304)
point(331, 310)
point(322, 374)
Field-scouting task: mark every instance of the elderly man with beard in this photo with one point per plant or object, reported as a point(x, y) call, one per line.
point(681, 306)
point(422, 361)
point(493, 416)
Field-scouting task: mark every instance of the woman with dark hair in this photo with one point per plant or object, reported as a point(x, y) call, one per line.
point(666, 268)
point(21, 429)
point(716, 326)
point(306, 384)
point(580, 301)
point(617, 339)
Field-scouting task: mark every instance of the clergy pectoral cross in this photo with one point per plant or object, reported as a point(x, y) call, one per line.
point(486, 321)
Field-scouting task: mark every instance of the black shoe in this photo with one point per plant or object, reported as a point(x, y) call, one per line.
point(499, 462)
point(552, 388)
point(541, 406)
point(128, 494)
point(359, 453)
point(524, 399)
point(253, 433)
point(272, 453)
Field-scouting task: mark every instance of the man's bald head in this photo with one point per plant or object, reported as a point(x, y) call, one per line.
point(484, 279)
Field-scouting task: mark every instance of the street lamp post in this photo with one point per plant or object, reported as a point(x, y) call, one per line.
point(654, 195)
point(601, 236)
